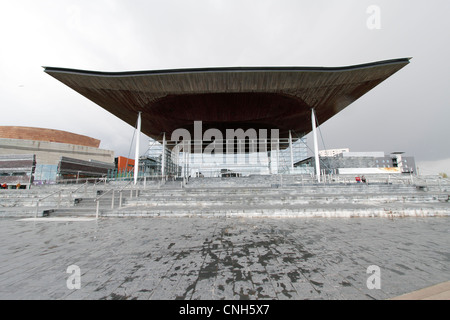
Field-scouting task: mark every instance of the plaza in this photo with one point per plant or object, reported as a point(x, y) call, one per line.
point(222, 258)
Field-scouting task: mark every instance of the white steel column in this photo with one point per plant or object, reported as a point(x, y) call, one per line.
point(316, 147)
point(278, 155)
point(163, 157)
point(188, 160)
point(184, 160)
point(292, 152)
point(136, 155)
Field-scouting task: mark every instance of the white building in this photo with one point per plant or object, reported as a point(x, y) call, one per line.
point(332, 152)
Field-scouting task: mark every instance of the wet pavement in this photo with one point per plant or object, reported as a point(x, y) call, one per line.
point(223, 258)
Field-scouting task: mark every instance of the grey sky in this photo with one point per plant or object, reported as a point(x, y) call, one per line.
point(408, 112)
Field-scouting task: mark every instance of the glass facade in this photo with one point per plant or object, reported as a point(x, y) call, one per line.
point(242, 164)
point(45, 173)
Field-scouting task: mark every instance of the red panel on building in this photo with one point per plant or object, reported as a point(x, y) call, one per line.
point(123, 163)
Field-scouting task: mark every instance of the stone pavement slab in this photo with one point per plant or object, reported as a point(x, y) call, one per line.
point(223, 258)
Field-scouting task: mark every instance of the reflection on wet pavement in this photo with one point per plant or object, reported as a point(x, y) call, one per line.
point(223, 258)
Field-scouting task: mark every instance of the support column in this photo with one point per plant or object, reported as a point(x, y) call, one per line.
point(136, 155)
point(292, 152)
point(163, 157)
point(184, 160)
point(188, 160)
point(316, 146)
point(274, 147)
point(278, 156)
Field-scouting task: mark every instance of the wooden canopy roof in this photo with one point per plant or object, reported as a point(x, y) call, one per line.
point(228, 98)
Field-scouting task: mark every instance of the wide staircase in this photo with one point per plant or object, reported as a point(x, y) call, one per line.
point(255, 196)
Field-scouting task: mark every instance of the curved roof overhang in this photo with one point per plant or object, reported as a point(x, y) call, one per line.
point(228, 98)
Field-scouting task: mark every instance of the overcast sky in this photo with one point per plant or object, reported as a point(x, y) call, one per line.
point(408, 112)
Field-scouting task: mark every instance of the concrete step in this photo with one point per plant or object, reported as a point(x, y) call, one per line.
point(279, 202)
point(329, 210)
point(284, 190)
point(74, 212)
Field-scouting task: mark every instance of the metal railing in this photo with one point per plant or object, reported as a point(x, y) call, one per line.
point(83, 185)
point(113, 190)
point(46, 197)
point(80, 180)
point(97, 200)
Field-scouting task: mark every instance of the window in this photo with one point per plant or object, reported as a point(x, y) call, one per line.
point(45, 172)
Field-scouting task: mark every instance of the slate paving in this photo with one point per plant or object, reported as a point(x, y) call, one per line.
point(222, 257)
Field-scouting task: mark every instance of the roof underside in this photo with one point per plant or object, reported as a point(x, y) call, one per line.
point(228, 98)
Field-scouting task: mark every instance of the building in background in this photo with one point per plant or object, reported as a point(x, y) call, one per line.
point(149, 164)
point(16, 171)
point(271, 107)
point(58, 154)
point(363, 163)
point(124, 167)
point(332, 152)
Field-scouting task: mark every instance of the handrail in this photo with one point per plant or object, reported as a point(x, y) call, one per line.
point(102, 179)
point(39, 200)
point(103, 194)
point(50, 195)
point(97, 200)
point(83, 185)
point(126, 185)
point(76, 181)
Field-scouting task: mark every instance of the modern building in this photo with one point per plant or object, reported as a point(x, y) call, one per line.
point(332, 152)
point(16, 171)
point(124, 167)
point(230, 113)
point(58, 154)
point(74, 169)
point(363, 163)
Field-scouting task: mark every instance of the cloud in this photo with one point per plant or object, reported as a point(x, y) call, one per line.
point(409, 111)
point(434, 167)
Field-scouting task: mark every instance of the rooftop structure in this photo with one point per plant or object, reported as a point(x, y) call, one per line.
point(48, 135)
point(228, 98)
point(277, 104)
